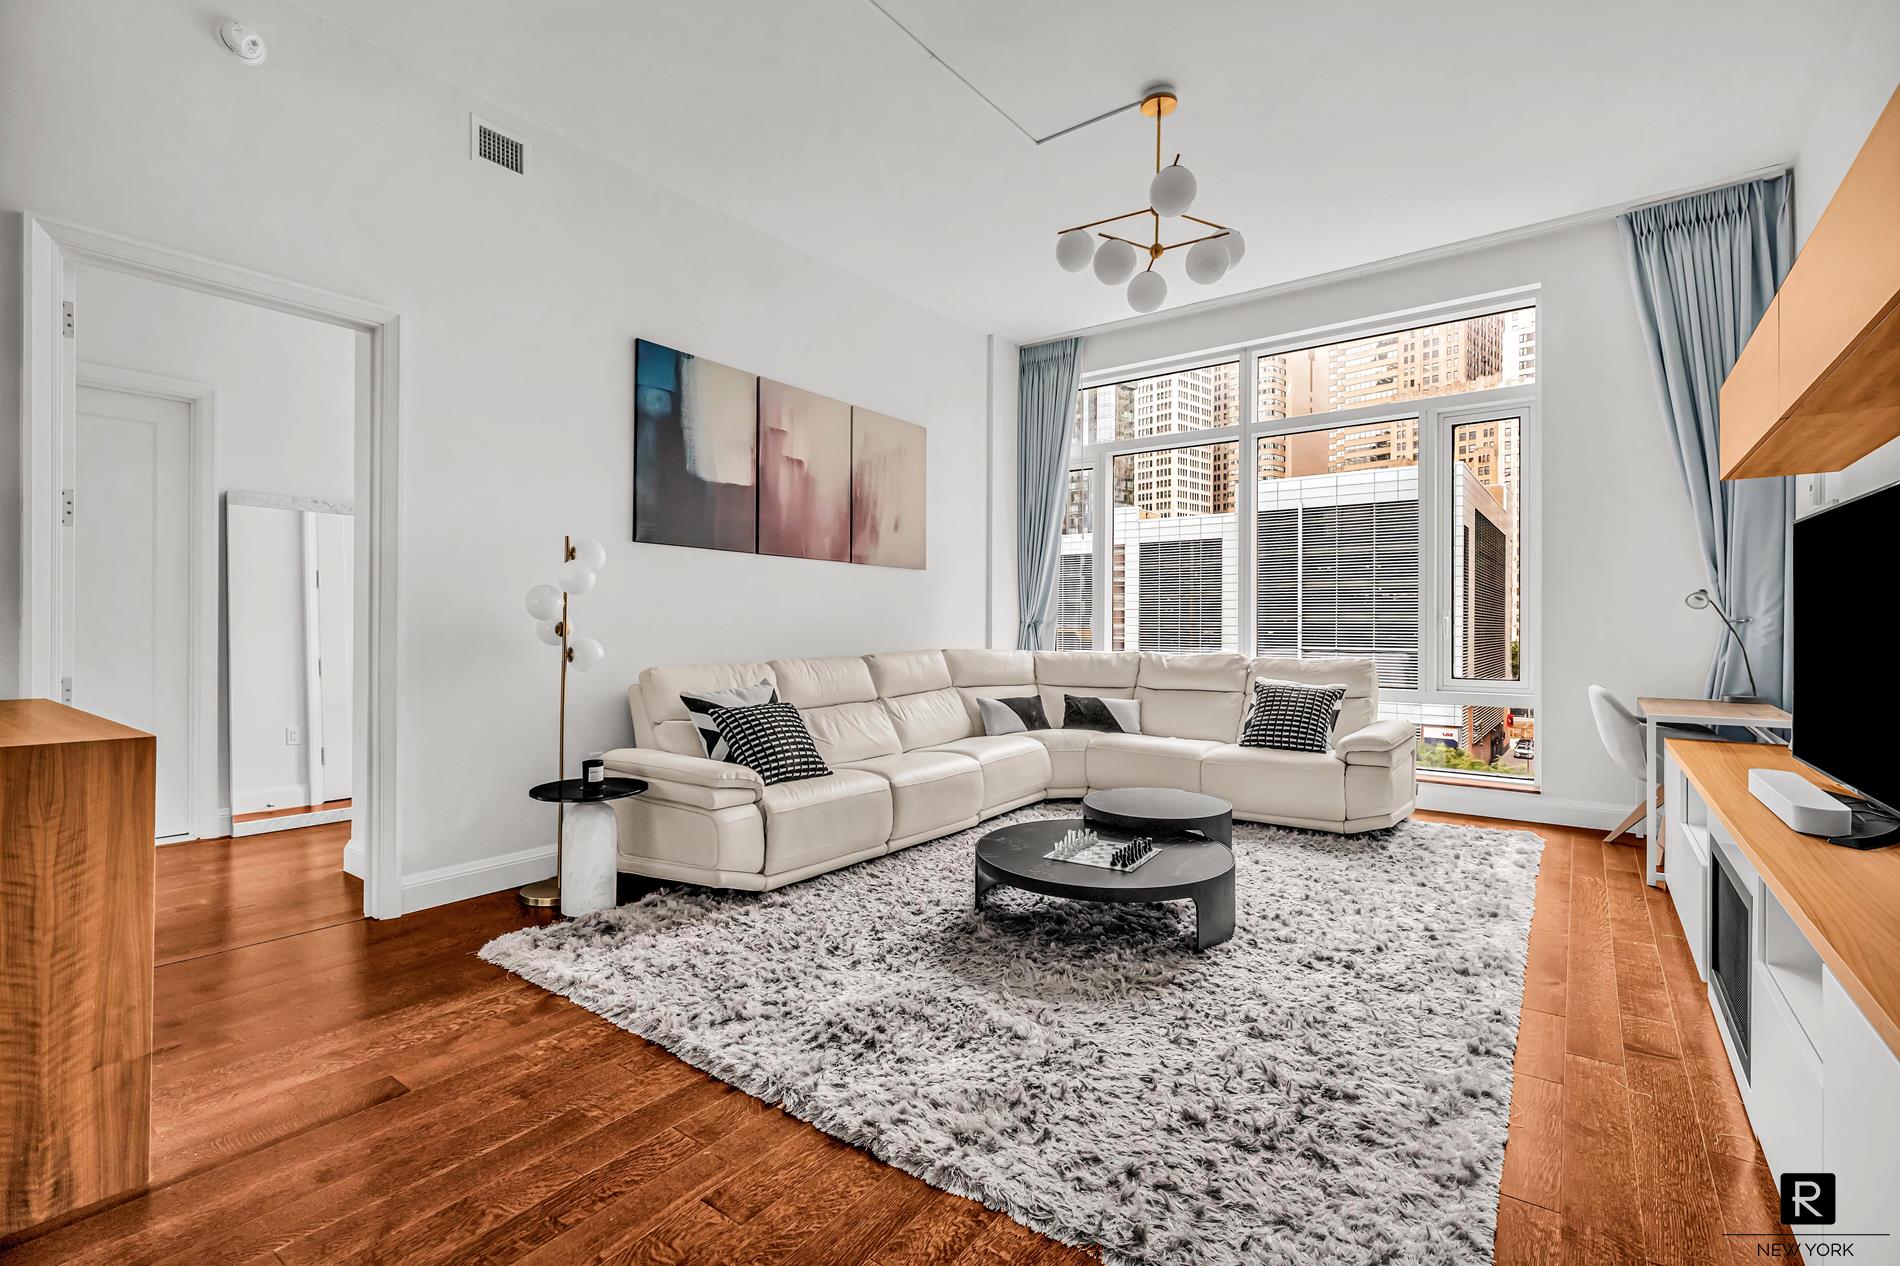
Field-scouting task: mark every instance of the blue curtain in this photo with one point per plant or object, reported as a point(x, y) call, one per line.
point(1704, 269)
point(1045, 408)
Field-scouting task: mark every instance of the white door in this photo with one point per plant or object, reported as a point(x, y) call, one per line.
point(129, 577)
point(336, 548)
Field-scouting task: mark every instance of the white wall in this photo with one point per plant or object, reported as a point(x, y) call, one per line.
point(1619, 543)
point(337, 165)
point(285, 420)
point(1862, 83)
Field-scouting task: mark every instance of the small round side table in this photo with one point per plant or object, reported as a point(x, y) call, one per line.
point(586, 872)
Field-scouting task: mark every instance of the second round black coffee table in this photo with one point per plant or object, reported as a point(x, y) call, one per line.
point(1163, 810)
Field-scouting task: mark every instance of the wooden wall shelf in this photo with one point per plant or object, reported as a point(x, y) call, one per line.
point(1818, 385)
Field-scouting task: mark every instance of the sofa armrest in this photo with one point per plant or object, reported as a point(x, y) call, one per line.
point(1381, 743)
point(695, 780)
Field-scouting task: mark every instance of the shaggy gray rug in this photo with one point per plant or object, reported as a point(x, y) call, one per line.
point(1333, 1083)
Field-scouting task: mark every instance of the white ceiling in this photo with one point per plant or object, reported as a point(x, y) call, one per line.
point(1332, 134)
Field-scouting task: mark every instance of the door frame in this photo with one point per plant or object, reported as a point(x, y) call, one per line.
point(202, 813)
point(51, 251)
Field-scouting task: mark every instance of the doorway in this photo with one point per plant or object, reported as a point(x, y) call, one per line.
point(136, 639)
point(54, 252)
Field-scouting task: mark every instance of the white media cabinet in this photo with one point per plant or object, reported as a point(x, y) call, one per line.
point(1821, 1080)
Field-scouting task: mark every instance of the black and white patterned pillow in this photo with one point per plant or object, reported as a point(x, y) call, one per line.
point(1292, 717)
point(771, 740)
point(1012, 716)
point(699, 709)
point(1111, 716)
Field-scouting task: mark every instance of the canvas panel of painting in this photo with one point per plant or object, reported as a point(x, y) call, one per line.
point(888, 478)
point(804, 474)
point(695, 443)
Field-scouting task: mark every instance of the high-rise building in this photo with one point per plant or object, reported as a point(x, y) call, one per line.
point(1179, 481)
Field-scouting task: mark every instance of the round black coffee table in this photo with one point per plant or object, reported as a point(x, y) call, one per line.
point(1160, 810)
point(1187, 868)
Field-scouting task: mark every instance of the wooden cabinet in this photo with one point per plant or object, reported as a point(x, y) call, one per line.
point(76, 818)
point(1818, 385)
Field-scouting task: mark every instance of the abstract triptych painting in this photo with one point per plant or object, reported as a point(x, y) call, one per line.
point(723, 459)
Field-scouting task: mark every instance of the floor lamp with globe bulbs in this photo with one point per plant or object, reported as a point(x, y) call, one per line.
point(581, 561)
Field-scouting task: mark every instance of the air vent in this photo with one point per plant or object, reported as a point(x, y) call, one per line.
point(486, 141)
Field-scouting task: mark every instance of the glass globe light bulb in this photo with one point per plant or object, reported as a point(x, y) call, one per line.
point(576, 576)
point(587, 653)
point(544, 602)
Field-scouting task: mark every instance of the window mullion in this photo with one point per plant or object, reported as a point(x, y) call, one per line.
point(1246, 498)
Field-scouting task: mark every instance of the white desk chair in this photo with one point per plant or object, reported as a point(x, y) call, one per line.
point(1623, 737)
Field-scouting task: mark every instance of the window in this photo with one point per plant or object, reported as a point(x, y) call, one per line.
point(1176, 562)
point(1484, 742)
point(1484, 597)
point(1336, 547)
point(1384, 516)
point(1165, 404)
point(1075, 568)
point(1495, 350)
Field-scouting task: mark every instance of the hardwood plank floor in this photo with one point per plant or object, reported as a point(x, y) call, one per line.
point(329, 1089)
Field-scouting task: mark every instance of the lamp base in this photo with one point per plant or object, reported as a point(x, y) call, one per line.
point(540, 894)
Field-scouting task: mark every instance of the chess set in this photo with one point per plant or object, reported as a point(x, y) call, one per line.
point(1089, 849)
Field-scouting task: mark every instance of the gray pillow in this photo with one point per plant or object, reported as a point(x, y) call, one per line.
point(699, 708)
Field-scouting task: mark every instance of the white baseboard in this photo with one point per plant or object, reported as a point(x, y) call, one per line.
point(290, 821)
point(474, 879)
point(1486, 802)
point(354, 858)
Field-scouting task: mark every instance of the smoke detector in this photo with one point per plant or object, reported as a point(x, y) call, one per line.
point(242, 42)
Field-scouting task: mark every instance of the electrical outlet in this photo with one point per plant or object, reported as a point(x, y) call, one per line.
point(292, 736)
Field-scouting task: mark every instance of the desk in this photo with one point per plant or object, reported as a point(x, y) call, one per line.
point(1757, 718)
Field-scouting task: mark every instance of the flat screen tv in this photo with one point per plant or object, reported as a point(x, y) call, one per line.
point(1842, 646)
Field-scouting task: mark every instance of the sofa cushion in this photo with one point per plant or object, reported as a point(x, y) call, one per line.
point(659, 717)
point(815, 820)
point(1146, 760)
point(1015, 766)
point(1102, 674)
point(847, 732)
point(1068, 756)
point(990, 668)
point(1220, 670)
point(1360, 677)
point(929, 718)
point(1266, 782)
point(908, 672)
point(932, 792)
point(1195, 714)
point(820, 683)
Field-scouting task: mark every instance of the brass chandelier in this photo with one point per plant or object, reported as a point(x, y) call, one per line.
point(1170, 193)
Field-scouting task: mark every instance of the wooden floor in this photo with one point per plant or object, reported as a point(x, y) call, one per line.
point(330, 1089)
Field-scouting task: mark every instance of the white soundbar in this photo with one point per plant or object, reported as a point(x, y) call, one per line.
point(1799, 803)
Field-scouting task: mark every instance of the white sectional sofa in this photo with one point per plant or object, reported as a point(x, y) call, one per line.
point(910, 761)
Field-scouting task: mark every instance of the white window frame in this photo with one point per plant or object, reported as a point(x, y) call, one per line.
point(1436, 416)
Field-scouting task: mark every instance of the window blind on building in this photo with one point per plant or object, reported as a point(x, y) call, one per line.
point(1340, 579)
point(1075, 602)
point(1181, 598)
